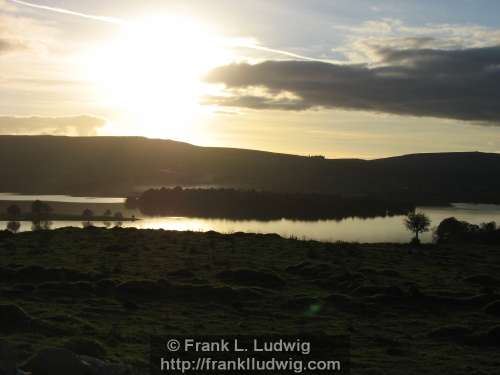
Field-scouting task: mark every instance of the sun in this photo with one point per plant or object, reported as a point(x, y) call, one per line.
point(151, 73)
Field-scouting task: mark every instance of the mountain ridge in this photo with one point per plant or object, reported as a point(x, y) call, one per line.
point(123, 165)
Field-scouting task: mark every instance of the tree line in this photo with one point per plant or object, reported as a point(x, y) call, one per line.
point(264, 205)
point(452, 230)
point(41, 214)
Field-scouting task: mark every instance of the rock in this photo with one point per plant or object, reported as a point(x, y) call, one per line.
point(372, 371)
point(480, 299)
point(181, 274)
point(342, 280)
point(493, 308)
point(17, 290)
point(7, 362)
point(142, 287)
point(73, 289)
point(42, 274)
point(368, 290)
point(105, 286)
point(56, 361)
point(6, 274)
point(341, 301)
point(395, 351)
point(129, 305)
point(84, 346)
point(372, 290)
point(489, 338)
point(117, 248)
point(390, 273)
point(451, 332)
point(383, 299)
point(482, 280)
point(251, 278)
point(26, 288)
point(205, 293)
point(470, 302)
point(99, 367)
point(35, 274)
point(310, 270)
point(493, 336)
point(300, 302)
point(394, 291)
point(5, 234)
point(13, 319)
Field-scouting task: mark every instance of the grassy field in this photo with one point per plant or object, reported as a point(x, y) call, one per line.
point(433, 310)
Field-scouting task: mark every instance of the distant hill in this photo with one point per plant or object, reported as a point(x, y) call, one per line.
point(122, 165)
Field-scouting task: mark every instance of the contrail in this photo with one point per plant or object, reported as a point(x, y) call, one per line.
point(120, 21)
point(70, 12)
point(286, 53)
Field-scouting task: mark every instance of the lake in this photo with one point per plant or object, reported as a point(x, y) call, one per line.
point(58, 198)
point(380, 229)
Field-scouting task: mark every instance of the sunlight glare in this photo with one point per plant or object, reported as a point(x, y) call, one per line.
point(152, 72)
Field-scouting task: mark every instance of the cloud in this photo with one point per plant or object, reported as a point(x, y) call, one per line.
point(256, 102)
point(68, 12)
point(236, 42)
point(7, 7)
point(7, 45)
point(9, 41)
point(75, 125)
point(453, 84)
point(22, 34)
point(364, 40)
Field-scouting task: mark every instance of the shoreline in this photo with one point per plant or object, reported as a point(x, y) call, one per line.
point(67, 218)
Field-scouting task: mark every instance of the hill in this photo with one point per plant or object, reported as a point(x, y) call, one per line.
point(122, 165)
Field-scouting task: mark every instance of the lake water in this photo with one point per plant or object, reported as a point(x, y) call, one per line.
point(381, 229)
point(58, 198)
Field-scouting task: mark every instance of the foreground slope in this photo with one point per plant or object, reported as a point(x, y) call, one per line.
point(103, 292)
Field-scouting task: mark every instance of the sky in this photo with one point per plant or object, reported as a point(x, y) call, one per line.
point(344, 79)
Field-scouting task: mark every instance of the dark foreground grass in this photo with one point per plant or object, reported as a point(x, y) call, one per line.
point(103, 292)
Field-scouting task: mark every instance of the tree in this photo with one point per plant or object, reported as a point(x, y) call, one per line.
point(417, 222)
point(13, 211)
point(87, 214)
point(118, 216)
point(13, 226)
point(37, 225)
point(450, 230)
point(40, 210)
point(107, 213)
point(488, 227)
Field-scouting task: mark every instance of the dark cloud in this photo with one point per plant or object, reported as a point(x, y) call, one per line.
point(75, 125)
point(256, 102)
point(454, 84)
point(7, 45)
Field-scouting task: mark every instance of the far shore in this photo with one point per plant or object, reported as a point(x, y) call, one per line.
point(67, 218)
